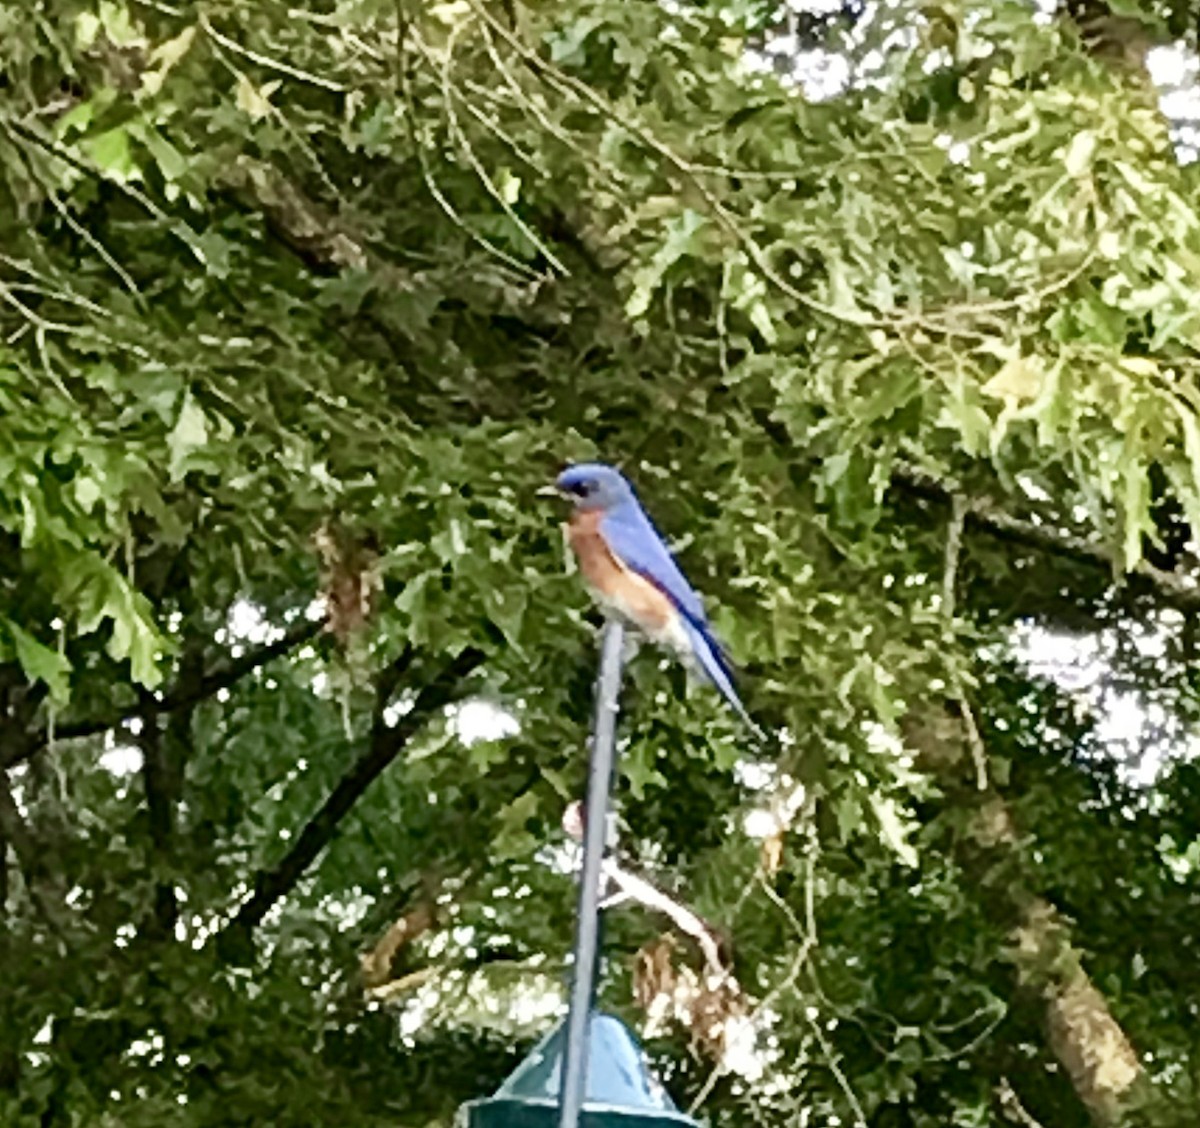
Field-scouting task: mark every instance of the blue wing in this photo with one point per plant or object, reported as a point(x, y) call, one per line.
point(638, 545)
point(715, 665)
point(633, 539)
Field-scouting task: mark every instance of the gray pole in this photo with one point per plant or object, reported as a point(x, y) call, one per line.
point(595, 831)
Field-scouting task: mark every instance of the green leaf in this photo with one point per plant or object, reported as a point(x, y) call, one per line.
point(189, 435)
point(78, 117)
point(101, 594)
point(111, 154)
point(171, 162)
point(118, 24)
point(514, 839)
point(135, 637)
point(1135, 506)
point(893, 390)
point(1079, 153)
point(565, 45)
point(1019, 379)
point(682, 238)
point(255, 100)
point(507, 611)
point(639, 766)
point(893, 829)
point(164, 58)
point(212, 250)
point(41, 663)
point(848, 811)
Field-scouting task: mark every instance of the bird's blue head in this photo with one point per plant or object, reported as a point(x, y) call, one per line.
point(592, 485)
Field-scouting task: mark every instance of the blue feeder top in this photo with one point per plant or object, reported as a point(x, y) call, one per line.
point(617, 1077)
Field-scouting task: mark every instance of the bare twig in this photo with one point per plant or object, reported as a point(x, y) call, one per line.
point(9, 295)
point(608, 174)
point(523, 270)
point(269, 62)
point(807, 935)
point(585, 93)
point(1011, 1105)
point(376, 964)
point(958, 513)
point(974, 738)
point(386, 992)
point(20, 133)
point(837, 1071)
point(468, 152)
point(638, 888)
point(645, 893)
point(91, 240)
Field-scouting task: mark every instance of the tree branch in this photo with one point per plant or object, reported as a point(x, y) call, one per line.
point(308, 230)
point(228, 674)
point(388, 682)
point(160, 810)
point(632, 885)
point(165, 752)
point(183, 695)
point(958, 512)
point(1083, 1034)
point(1172, 587)
point(273, 884)
point(1098, 1056)
point(984, 515)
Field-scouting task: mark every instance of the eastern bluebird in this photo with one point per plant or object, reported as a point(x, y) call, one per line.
point(633, 576)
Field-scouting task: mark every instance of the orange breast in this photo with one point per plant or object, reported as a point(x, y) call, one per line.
point(631, 594)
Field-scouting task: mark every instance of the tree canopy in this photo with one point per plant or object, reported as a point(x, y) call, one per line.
point(300, 306)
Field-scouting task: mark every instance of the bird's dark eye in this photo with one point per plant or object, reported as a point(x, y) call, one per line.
point(582, 489)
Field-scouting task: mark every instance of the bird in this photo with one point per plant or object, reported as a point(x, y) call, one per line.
point(632, 575)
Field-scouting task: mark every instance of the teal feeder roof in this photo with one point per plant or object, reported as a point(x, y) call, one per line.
point(621, 1091)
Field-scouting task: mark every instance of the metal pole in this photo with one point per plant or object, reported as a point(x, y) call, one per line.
point(595, 832)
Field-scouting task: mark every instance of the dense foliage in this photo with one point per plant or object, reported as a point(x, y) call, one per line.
point(299, 307)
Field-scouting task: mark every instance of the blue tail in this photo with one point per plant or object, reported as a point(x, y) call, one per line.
point(715, 666)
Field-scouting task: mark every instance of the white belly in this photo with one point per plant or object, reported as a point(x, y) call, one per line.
point(671, 635)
